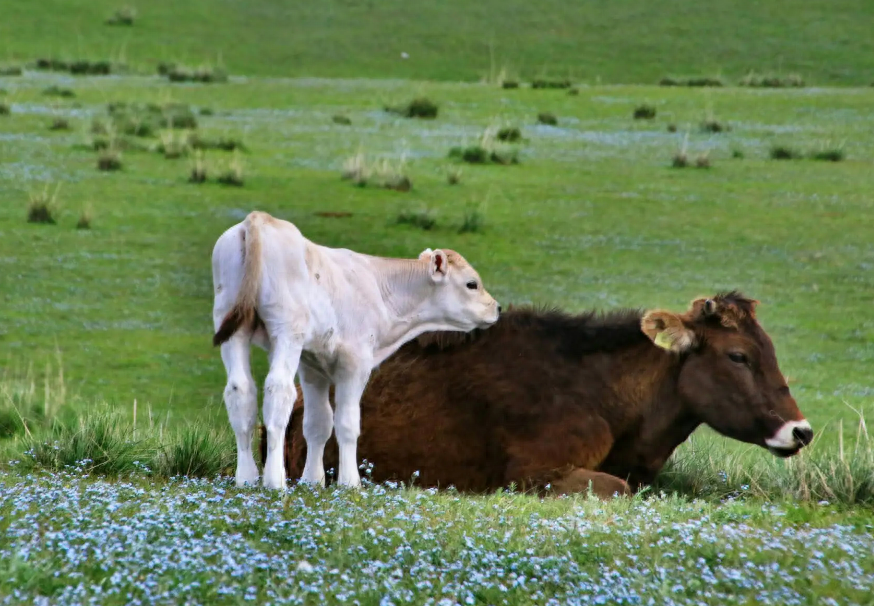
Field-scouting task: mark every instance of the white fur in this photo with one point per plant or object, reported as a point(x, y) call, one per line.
point(330, 315)
point(784, 438)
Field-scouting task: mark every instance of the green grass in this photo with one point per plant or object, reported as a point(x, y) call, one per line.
point(603, 223)
point(824, 41)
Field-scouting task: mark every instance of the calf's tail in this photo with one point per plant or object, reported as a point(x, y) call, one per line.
point(244, 312)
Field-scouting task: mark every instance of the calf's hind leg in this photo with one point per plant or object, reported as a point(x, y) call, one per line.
point(241, 401)
point(318, 422)
point(279, 396)
point(604, 486)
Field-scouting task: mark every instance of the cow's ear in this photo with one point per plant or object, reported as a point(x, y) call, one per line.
point(438, 265)
point(667, 331)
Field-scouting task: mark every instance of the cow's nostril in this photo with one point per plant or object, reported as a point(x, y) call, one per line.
point(499, 309)
point(803, 434)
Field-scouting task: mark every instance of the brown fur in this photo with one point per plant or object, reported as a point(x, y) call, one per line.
point(244, 311)
point(552, 402)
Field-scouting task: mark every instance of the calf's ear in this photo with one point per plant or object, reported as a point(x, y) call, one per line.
point(667, 331)
point(425, 254)
point(438, 265)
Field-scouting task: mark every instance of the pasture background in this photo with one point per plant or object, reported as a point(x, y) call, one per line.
point(592, 216)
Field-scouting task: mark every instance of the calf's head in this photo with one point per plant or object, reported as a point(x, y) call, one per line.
point(729, 377)
point(459, 297)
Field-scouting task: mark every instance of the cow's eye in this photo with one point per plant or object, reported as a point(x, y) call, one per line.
point(472, 285)
point(737, 357)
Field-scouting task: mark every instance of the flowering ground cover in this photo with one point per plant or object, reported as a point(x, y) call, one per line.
point(69, 538)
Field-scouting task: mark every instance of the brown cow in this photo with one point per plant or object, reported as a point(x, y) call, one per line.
point(546, 399)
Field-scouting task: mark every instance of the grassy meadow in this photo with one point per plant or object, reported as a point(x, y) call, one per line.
point(614, 192)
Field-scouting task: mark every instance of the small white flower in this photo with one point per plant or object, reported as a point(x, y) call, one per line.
point(405, 56)
point(305, 566)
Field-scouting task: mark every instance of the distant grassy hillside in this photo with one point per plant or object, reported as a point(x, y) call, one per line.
point(634, 41)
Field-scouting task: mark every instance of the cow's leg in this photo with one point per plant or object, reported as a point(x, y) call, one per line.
point(279, 396)
point(603, 485)
point(241, 401)
point(318, 422)
point(347, 422)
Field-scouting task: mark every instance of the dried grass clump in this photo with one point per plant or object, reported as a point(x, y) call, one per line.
point(173, 146)
point(754, 80)
point(233, 175)
point(423, 219)
point(123, 16)
point(510, 84)
point(784, 152)
point(509, 134)
point(828, 154)
point(341, 119)
point(473, 220)
point(109, 159)
point(490, 149)
point(85, 218)
point(544, 83)
point(644, 112)
point(681, 158)
point(712, 125)
point(60, 124)
point(547, 118)
point(355, 169)
point(198, 168)
point(453, 175)
point(57, 91)
point(420, 107)
point(703, 160)
point(205, 74)
point(692, 81)
point(382, 173)
point(5, 109)
point(11, 70)
point(42, 207)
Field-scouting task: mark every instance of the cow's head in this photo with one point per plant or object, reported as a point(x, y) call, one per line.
point(729, 376)
point(460, 297)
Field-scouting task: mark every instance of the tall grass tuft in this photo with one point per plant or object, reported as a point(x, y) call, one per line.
point(195, 450)
point(420, 107)
point(547, 118)
point(473, 220)
point(100, 440)
point(26, 407)
point(85, 218)
point(423, 218)
point(42, 207)
point(755, 80)
point(644, 112)
point(123, 16)
point(828, 154)
point(708, 469)
point(233, 175)
point(784, 152)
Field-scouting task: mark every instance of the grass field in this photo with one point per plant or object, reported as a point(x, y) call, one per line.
point(633, 42)
point(593, 214)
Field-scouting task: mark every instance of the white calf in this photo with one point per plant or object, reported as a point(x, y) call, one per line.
point(330, 315)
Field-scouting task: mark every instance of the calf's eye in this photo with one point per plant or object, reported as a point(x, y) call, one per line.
point(472, 285)
point(737, 357)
